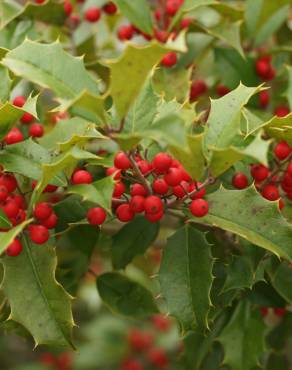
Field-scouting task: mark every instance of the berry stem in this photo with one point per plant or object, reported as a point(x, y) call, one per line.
point(139, 174)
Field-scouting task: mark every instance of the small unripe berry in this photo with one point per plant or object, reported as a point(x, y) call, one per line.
point(169, 60)
point(92, 14)
point(81, 177)
point(42, 211)
point(137, 204)
point(153, 204)
point(96, 216)
point(259, 172)
point(162, 162)
point(39, 234)
point(36, 130)
point(121, 161)
point(173, 177)
point(240, 181)
point(14, 136)
point(282, 150)
point(199, 207)
point(160, 186)
point(14, 248)
point(271, 192)
point(138, 189)
point(124, 213)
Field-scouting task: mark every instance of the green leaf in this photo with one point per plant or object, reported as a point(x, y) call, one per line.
point(279, 128)
point(125, 296)
point(36, 62)
point(4, 221)
point(225, 116)
point(243, 338)
point(7, 237)
point(69, 212)
point(5, 84)
point(187, 154)
point(10, 114)
point(69, 132)
point(138, 13)
point(46, 310)
point(132, 240)
point(289, 89)
point(8, 11)
point(248, 214)
point(27, 158)
point(281, 279)
point(99, 192)
point(132, 70)
point(186, 277)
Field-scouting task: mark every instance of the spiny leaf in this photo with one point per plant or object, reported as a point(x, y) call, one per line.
point(248, 214)
point(132, 240)
point(243, 338)
point(5, 84)
point(7, 237)
point(186, 277)
point(281, 279)
point(37, 62)
point(117, 290)
point(46, 310)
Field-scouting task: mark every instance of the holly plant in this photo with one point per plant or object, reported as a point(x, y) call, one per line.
point(154, 136)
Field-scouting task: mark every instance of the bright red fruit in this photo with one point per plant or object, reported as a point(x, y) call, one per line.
point(161, 322)
point(39, 234)
point(126, 32)
point(113, 170)
point(154, 217)
point(280, 311)
point(181, 190)
point(9, 181)
point(144, 166)
point(153, 205)
point(158, 358)
point(199, 193)
point(131, 364)
point(139, 341)
point(271, 192)
point(36, 130)
point(92, 14)
point(160, 186)
point(264, 98)
point(121, 161)
point(198, 88)
point(172, 7)
point(3, 193)
point(14, 136)
point(137, 204)
point(42, 211)
point(119, 189)
point(10, 208)
point(289, 168)
point(96, 216)
point(82, 177)
point(169, 59)
point(68, 8)
point(124, 213)
point(185, 23)
point(282, 111)
point(19, 101)
point(50, 222)
point(199, 207)
point(282, 150)
point(222, 90)
point(138, 189)
point(162, 162)
point(110, 8)
point(173, 177)
point(259, 172)
point(14, 248)
point(27, 118)
point(240, 181)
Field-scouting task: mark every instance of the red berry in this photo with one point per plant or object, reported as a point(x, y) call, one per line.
point(161, 36)
point(161, 322)
point(126, 32)
point(169, 59)
point(137, 204)
point(92, 14)
point(68, 8)
point(3, 193)
point(50, 222)
point(198, 88)
point(42, 211)
point(199, 207)
point(138, 189)
point(287, 180)
point(181, 190)
point(9, 182)
point(39, 234)
point(262, 68)
point(131, 364)
point(19, 101)
point(160, 186)
point(119, 189)
point(271, 192)
point(282, 150)
point(158, 358)
point(96, 216)
point(282, 111)
point(124, 213)
point(172, 7)
point(222, 90)
point(113, 170)
point(144, 167)
point(122, 162)
point(153, 205)
point(110, 8)
point(138, 340)
point(82, 177)
point(14, 136)
point(281, 203)
point(240, 181)
point(14, 248)
point(154, 217)
point(161, 162)
point(259, 172)
point(11, 209)
point(280, 311)
point(27, 118)
point(185, 23)
point(47, 359)
point(199, 193)
point(289, 169)
point(264, 98)
point(264, 311)
point(173, 177)
point(36, 130)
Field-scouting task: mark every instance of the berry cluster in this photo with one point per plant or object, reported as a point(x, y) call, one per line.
point(273, 183)
point(154, 187)
point(277, 311)
point(62, 361)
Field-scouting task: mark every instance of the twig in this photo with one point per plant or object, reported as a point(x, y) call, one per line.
point(139, 174)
